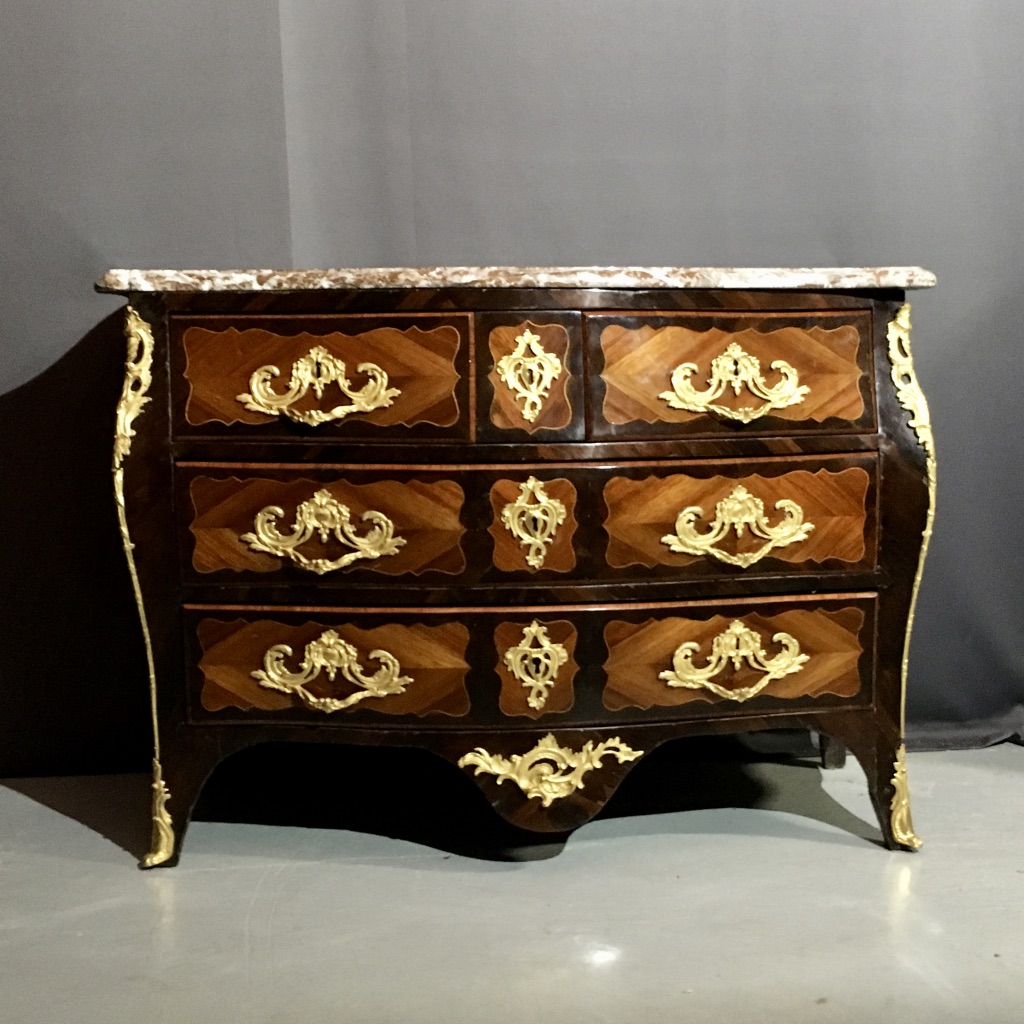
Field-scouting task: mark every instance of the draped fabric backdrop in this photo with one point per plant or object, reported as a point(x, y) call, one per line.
point(303, 133)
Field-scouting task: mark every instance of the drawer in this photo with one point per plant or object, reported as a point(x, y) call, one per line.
point(518, 667)
point(687, 375)
point(275, 376)
point(723, 518)
point(292, 526)
point(284, 670)
point(757, 657)
point(532, 525)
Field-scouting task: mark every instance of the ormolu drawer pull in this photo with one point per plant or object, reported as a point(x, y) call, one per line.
point(325, 515)
point(548, 772)
point(331, 654)
point(738, 511)
point(737, 369)
point(317, 370)
point(736, 644)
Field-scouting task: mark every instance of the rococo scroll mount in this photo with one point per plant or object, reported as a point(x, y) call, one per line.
point(735, 645)
point(330, 654)
point(911, 397)
point(736, 369)
point(740, 511)
point(529, 376)
point(317, 370)
point(549, 771)
point(535, 662)
point(533, 519)
point(323, 514)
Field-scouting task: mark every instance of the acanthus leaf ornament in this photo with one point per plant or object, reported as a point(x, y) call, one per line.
point(548, 771)
point(529, 377)
point(736, 645)
point(908, 390)
point(162, 844)
point(323, 514)
point(535, 662)
point(911, 396)
point(316, 370)
point(899, 808)
point(737, 369)
point(330, 654)
point(741, 510)
point(138, 379)
point(533, 519)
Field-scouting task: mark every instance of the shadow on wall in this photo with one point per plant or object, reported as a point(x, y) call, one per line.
point(73, 695)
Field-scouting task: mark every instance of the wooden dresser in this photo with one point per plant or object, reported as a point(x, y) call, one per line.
point(536, 520)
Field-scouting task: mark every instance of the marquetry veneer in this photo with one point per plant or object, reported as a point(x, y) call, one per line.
point(538, 522)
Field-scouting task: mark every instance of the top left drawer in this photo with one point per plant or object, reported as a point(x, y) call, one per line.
point(378, 378)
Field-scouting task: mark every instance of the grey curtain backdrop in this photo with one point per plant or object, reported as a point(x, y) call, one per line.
point(387, 132)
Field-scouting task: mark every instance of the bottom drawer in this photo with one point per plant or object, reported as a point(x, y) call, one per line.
point(507, 668)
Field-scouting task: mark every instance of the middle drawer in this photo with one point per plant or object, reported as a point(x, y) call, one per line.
point(528, 524)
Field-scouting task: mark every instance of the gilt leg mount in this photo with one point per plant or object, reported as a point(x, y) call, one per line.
point(902, 826)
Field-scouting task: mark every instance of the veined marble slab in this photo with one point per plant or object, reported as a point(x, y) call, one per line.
point(818, 278)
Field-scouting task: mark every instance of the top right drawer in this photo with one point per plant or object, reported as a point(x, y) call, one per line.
point(693, 374)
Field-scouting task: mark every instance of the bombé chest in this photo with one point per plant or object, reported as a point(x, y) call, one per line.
point(536, 521)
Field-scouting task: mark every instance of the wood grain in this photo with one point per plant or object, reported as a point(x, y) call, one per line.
point(426, 515)
point(513, 697)
point(434, 656)
point(193, 739)
point(506, 410)
point(639, 363)
point(638, 652)
point(421, 363)
point(641, 512)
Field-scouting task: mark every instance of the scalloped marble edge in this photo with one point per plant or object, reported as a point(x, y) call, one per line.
point(825, 278)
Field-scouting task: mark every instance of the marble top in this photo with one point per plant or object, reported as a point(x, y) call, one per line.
point(818, 278)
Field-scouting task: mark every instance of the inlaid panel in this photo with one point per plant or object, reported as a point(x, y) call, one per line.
point(326, 374)
point(534, 523)
point(746, 521)
point(530, 375)
point(703, 374)
point(536, 665)
point(530, 371)
point(675, 660)
point(332, 668)
point(262, 525)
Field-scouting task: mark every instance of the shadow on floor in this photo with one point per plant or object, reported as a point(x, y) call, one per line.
point(368, 790)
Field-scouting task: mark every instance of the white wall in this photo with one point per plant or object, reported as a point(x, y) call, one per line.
point(132, 132)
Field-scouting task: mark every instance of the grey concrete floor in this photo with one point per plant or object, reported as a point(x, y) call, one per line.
point(784, 909)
